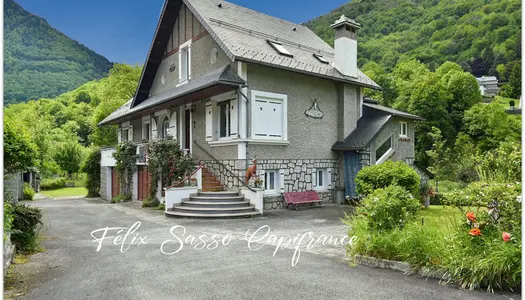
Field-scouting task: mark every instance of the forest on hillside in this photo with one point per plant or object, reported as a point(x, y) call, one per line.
point(41, 62)
point(482, 36)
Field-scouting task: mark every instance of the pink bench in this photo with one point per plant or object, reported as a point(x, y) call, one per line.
point(296, 198)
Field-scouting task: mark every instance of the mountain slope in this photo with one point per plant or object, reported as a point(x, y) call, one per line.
point(477, 34)
point(40, 61)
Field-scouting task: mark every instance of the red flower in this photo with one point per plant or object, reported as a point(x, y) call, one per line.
point(505, 236)
point(475, 232)
point(471, 216)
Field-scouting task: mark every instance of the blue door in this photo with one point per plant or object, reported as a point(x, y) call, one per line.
point(351, 168)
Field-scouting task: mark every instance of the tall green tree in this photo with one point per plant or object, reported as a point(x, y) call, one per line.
point(69, 156)
point(20, 153)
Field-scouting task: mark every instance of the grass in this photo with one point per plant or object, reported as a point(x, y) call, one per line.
point(65, 192)
point(505, 101)
point(440, 216)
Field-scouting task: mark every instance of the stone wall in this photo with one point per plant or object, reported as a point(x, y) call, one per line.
point(9, 253)
point(13, 185)
point(297, 176)
point(104, 183)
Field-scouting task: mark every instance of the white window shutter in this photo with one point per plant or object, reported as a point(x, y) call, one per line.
point(281, 181)
point(329, 179)
point(233, 119)
point(119, 135)
point(153, 129)
point(130, 133)
point(314, 178)
point(209, 121)
point(172, 130)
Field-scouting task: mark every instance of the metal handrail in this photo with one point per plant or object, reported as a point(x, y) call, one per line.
point(224, 167)
point(186, 178)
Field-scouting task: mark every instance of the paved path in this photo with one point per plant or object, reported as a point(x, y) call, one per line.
point(71, 268)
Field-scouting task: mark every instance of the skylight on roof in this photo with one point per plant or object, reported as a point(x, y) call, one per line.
point(321, 58)
point(280, 48)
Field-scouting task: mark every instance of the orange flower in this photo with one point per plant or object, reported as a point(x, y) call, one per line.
point(474, 232)
point(505, 236)
point(471, 216)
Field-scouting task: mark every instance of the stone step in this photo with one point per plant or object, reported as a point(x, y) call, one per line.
point(216, 203)
point(217, 194)
point(213, 209)
point(171, 213)
point(217, 198)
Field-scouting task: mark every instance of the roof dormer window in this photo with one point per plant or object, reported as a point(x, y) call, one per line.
point(280, 48)
point(321, 58)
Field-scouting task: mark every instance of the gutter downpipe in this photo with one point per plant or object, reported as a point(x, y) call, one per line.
point(238, 114)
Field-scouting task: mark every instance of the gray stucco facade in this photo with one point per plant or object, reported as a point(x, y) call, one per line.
point(307, 103)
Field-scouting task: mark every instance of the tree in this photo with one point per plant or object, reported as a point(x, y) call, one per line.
point(515, 81)
point(92, 169)
point(69, 157)
point(19, 151)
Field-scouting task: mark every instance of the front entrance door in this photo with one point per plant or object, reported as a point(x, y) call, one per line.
point(115, 183)
point(351, 168)
point(143, 183)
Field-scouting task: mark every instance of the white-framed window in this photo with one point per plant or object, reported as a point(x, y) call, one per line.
point(271, 181)
point(384, 151)
point(224, 119)
point(146, 129)
point(322, 179)
point(165, 127)
point(269, 116)
point(221, 117)
point(125, 134)
point(185, 62)
point(403, 129)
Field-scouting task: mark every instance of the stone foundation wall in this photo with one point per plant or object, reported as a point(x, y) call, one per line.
point(13, 185)
point(297, 175)
point(104, 183)
point(9, 253)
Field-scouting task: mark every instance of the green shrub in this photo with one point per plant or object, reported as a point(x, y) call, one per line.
point(52, 183)
point(418, 244)
point(162, 206)
point(25, 227)
point(29, 192)
point(388, 208)
point(8, 218)
point(389, 173)
point(92, 169)
point(121, 198)
point(150, 202)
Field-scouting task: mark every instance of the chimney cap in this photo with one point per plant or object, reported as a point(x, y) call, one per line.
point(343, 20)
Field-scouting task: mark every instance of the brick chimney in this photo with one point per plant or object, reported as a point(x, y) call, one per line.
point(345, 44)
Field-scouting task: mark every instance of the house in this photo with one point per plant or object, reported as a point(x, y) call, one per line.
point(232, 84)
point(488, 86)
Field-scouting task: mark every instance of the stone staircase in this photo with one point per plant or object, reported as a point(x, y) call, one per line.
point(213, 201)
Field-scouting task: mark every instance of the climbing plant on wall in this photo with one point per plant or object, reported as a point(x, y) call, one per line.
point(126, 164)
point(167, 163)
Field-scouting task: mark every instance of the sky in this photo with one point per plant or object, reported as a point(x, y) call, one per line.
point(122, 30)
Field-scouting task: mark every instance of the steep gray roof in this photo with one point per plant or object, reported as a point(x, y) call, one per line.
point(243, 35)
point(222, 76)
point(367, 128)
point(392, 111)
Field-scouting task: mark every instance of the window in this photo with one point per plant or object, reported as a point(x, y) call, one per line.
point(320, 178)
point(165, 127)
point(279, 48)
point(124, 136)
point(384, 151)
point(404, 129)
point(321, 58)
point(270, 181)
point(269, 116)
point(224, 119)
point(145, 131)
point(185, 62)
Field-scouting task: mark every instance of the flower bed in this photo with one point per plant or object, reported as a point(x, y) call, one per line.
point(475, 240)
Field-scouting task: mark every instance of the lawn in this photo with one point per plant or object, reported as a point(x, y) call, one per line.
point(440, 216)
point(505, 101)
point(72, 191)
